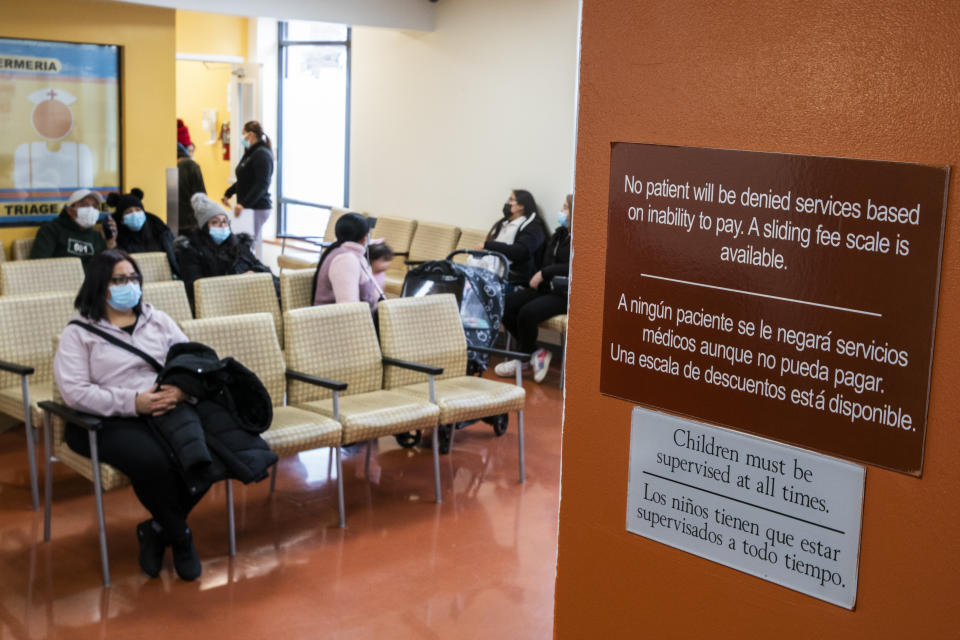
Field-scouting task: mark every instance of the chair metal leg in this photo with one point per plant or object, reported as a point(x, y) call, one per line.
point(273, 476)
point(436, 445)
point(343, 519)
point(231, 525)
point(47, 473)
point(520, 442)
point(98, 491)
point(31, 450)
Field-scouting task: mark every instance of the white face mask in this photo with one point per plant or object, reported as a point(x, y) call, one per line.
point(87, 217)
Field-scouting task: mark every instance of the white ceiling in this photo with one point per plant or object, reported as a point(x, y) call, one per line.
point(398, 14)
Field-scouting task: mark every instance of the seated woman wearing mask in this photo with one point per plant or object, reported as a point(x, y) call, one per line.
point(343, 274)
point(520, 235)
point(98, 377)
point(72, 234)
point(542, 298)
point(211, 249)
point(139, 231)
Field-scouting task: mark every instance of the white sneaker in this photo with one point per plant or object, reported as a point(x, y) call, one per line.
point(507, 368)
point(540, 361)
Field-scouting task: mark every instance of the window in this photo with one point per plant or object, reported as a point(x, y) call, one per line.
point(314, 124)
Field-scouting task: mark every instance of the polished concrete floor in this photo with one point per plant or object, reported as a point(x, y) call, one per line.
point(481, 565)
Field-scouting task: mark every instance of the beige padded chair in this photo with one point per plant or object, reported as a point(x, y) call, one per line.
point(28, 325)
point(289, 262)
point(469, 239)
point(559, 324)
point(429, 330)
point(22, 247)
point(338, 341)
point(3, 254)
point(251, 340)
point(430, 241)
point(335, 214)
point(237, 295)
point(296, 289)
point(154, 266)
point(55, 416)
point(170, 297)
point(41, 276)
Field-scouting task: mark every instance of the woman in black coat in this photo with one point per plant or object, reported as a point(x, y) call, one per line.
point(544, 296)
point(254, 172)
point(212, 249)
point(139, 231)
point(520, 235)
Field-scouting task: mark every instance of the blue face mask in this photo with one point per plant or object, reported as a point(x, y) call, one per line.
point(245, 143)
point(562, 218)
point(134, 220)
point(219, 234)
point(124, 297)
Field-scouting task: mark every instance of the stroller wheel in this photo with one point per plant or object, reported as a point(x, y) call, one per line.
point(408, 440)
point(499, 423)
point(445, 431)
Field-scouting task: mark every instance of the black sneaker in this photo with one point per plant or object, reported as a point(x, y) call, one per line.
point(185, 558)
point(152, 546)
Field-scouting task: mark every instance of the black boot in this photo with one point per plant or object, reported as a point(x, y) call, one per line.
point(152, 546)
point(185, 558)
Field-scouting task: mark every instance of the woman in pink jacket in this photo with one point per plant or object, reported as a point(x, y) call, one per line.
point(344, 274)
point(96, 376)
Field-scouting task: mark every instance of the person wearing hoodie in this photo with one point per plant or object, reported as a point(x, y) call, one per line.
point(139, 231)
point(212, 249)
point(72, 233)
point(98, 377)
point(254, 173)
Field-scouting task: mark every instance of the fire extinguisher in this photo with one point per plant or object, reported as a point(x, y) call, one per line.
point(225, 139)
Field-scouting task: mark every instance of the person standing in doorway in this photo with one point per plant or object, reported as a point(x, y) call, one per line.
point(254, 172)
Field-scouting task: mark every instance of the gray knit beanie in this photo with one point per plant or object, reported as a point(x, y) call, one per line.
point(204, 208)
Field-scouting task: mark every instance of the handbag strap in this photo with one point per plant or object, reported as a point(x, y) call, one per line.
point(120, 343)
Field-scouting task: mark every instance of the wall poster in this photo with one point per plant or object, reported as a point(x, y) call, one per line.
point(59, 125)
point(794, 297)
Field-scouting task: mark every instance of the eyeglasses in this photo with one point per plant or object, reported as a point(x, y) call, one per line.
point(135, 278)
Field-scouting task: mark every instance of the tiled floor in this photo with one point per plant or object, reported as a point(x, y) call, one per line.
point(481, 565)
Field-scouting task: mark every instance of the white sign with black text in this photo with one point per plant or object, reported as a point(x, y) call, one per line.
point(777, 512)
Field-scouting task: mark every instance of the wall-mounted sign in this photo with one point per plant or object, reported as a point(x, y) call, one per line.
point(790, 296)
point(777, 512)
point(60, 125)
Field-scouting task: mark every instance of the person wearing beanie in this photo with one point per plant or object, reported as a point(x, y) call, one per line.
point(73, 232)
point(139, 231)
point(190, 182)
point(212, 249)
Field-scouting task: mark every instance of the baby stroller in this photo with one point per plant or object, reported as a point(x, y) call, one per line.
point(480, 293)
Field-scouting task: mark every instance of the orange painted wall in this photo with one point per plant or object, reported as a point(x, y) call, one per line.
point(867, 80)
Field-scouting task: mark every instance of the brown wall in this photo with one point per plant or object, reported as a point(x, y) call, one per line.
point(877, 80)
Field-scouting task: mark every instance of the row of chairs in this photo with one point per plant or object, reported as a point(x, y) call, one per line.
point(19, 251)
point(412, 241)
point(24, 277)
point(336, 384)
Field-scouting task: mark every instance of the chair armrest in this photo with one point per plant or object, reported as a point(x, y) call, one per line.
point(13, 367)
point(413, 263)
point(501, 352)
point(317, 381)
point(88, 421)
point(415, 366)
point(405, 254)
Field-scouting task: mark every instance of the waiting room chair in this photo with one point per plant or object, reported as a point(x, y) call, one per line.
point(154, 266)
point(22, 247)
point(339, 341)
point(559, 324)
point(170, 297)
point(335, 214)
point(429, 330)
point(431, 241)
point(252, 340)
point(286, 262)
point(41, 276)
point(397, 233)
point(469, 239)
point(296, 289)
point(28, 325)
point(104, 477)
point(238, 295)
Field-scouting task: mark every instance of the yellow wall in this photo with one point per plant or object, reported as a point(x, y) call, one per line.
point(148, 116)
point(203, 85)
